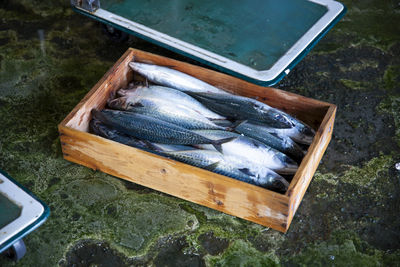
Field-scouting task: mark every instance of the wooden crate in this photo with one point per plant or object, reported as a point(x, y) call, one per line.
point(203, 187)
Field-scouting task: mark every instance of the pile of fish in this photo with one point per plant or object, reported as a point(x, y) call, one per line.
point(184, 118)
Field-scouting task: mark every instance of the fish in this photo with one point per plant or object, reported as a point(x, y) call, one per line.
point(166, 147)
point(164, 110)
point(172, 78)
point(161, 94)
point(232, 167)
point(98, 128)
point(280, 142)
point(152, 129)
point(251, 150)
point(300, 133)
point(244, 108)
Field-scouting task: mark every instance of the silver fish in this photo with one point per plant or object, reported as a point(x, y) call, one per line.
point(300, 133)
point(98, 128)
point(166, 147)
point(163, 110)
point(281, 143)
point(232, 167)
point(152, 129)
point(172, 78)
point(162, 94)
point(251, 150)
point(244, 108)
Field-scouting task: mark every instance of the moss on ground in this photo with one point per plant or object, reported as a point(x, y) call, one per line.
point(50, 57)
point(241, 253)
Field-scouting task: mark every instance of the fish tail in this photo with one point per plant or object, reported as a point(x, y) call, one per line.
point(218, 143)
point(212, 166)
point(222, 122)
point(235, 125)
point(111, 97)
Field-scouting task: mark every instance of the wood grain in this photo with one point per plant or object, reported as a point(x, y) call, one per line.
point(219, 192)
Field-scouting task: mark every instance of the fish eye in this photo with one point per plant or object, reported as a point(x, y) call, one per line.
point(280, 118)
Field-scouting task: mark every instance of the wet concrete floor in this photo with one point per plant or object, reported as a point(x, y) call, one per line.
point(50, 57)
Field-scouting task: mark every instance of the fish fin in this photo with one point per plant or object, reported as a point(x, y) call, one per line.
point(151, 146)
point(217, 143)
point(246, 171)
point(137, 105)
point(111, 97)
point(222, 122)
point(121, 92)
point(277, 135)
point(212, 166)
point(169, 66)
point(236, 124)
point(195, 94)
point(131, 64)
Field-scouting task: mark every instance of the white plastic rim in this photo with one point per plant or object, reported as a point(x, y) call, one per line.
point(333, 10)
point(31, 209)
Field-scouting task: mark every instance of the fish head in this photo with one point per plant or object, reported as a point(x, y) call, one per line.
point(94, 126)
point(307, 133)
point(288, 165)
point(98, 128)
point(279, 184)
point(121, 103)
point(281, 120)
point(122, 92)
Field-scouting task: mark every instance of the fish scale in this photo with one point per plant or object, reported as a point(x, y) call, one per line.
point(174, 97)
point(240, 107)
point(230, 166)
point(279, 142)
point(173, 78)
point(251, 150)
point(151, 129)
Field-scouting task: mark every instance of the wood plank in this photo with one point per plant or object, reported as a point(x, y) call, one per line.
point(181, 180)
point(310, 163)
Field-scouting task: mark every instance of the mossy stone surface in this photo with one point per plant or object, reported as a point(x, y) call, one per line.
point(50, 57)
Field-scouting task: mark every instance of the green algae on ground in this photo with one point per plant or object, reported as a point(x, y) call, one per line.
point(374, 22)
point(130, 222)
point(356, 85)
point(391, 77)
point(369, 173)
point(391, 105)
point(344, 248)
point(52, 76)
point(241, 253)
point(325, 254)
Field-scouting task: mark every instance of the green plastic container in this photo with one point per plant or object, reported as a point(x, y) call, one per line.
point(256, 40)
point(20, 213)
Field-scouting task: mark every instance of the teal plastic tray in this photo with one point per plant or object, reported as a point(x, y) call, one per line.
point(20, 211)
point(258, 40)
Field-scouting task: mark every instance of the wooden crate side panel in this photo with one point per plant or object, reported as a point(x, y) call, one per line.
point(181, 180)
point(310, 163)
